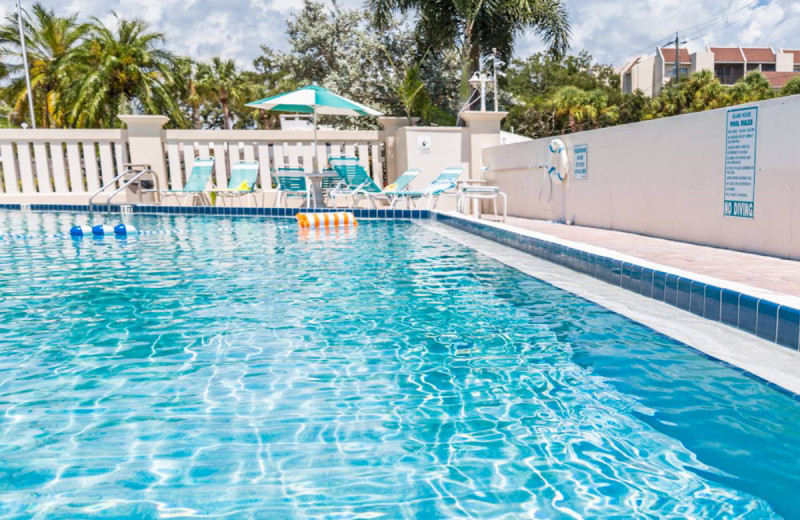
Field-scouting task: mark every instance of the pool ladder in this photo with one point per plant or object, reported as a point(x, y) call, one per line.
point(136, 171)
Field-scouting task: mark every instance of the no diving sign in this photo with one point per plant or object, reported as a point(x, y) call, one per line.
point(741, 131)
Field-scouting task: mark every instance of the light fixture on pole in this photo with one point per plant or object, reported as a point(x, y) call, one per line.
point(478, 81)
point(25, 64)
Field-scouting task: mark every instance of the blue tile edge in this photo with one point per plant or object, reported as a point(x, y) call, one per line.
point(381, 214)
point(782, 323)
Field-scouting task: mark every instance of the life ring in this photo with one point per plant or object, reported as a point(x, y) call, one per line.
point(559, 161)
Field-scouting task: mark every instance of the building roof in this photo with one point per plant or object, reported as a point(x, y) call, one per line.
point(759, 54)
point(628, 66)
point(779, 79)
point(727, 54)
point(795, 53)
point(669, 54)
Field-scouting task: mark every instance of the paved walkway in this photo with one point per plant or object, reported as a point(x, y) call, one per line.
point(762, 272)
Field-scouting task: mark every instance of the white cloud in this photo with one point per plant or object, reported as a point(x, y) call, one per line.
point(610, 30)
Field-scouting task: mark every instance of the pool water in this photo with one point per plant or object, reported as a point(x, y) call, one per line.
point(244, 369)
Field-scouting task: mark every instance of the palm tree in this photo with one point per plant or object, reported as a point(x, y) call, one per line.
point(477, 26)
point(50, 42)
point(574, 104)
point(123, 69)
point(186, 77)
point(219, 80)
point(792, 87)
point(753, 87)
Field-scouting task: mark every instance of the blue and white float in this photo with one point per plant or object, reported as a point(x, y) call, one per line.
point(81, 231)
point(120, 230)
point(125, 229)
point(102, 230)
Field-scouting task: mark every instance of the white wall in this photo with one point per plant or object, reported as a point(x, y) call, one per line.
point(665, 177)
point(702, 60)
point(449, 146)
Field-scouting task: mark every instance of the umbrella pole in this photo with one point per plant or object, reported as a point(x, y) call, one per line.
point(316, 159)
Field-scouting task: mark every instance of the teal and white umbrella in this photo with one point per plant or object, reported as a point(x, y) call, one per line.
point(314, 100)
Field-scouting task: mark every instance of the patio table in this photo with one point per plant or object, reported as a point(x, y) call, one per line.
point(316, 186)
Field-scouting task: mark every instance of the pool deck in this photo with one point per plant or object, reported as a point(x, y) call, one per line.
point(766, 274)
point(777, 365)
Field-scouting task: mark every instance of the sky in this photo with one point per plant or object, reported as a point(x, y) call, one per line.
point(611, 30)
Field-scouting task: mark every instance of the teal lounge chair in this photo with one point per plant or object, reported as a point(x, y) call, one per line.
point(197, 181)
point(244, 176)
point(394, 191)
point(445, 182)
point(292, 183)
point(355, 181)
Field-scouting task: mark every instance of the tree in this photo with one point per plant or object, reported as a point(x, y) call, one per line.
point(220, 81)
point(50, 42)
point(551, 95)
point(753, 87)
point(186, 80)
point(475, 26)
point(122, 70)
point(792, 87)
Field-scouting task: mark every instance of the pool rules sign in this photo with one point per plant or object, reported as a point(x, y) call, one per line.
point(741, 129)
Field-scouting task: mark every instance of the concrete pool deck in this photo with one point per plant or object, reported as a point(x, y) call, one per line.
point(763, 273)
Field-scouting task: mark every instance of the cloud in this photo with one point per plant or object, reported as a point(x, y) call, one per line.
point(611, 30)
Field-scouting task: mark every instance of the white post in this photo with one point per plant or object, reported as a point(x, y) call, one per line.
point(315, 166)
point(25, 64)
point(146, 142)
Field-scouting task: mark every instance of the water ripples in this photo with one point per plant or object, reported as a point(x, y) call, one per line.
point(241, 370)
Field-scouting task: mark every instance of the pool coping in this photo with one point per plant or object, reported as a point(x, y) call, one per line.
point(769, 316)
point(759, 359)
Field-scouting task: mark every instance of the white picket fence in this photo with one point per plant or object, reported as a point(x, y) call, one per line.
point(60, 161)
point(40, 162)
point(272, 148)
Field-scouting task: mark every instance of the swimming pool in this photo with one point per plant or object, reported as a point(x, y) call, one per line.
point(244, 369)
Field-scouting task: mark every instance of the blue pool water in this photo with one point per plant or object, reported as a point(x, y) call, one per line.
point(242, 369)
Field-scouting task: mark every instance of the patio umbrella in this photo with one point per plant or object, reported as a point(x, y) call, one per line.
point(314, 100)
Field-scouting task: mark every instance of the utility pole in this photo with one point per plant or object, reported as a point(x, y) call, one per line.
point(25, 64)
point(677, 64)
point(677, 59)
point(494, 77)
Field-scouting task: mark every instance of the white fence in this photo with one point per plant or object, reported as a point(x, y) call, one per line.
point(59, 161)
point(45, 164)
point(272, 148)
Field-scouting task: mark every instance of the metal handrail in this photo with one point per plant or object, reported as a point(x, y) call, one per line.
point(130, 168)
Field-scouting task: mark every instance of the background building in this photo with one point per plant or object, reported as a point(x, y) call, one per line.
point(729, 64)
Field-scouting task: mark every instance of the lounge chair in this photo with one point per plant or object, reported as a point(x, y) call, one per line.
point(292, 182)
point(391, 193)
point(244, 176)
point(197, 181)
point(445, 182)
point(354, 179)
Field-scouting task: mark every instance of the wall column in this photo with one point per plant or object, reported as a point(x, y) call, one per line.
point(146, 143)
point(484, 131)
point(390, 127)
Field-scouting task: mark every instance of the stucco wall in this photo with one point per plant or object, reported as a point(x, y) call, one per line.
point(665, 178)
point(448, 146)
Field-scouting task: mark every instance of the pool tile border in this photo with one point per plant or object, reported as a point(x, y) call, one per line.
point(760, 316)
point(362, 213)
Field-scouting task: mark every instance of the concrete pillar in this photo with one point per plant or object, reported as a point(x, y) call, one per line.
point(146, 143)
point(390, 127)
point(483, 131)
